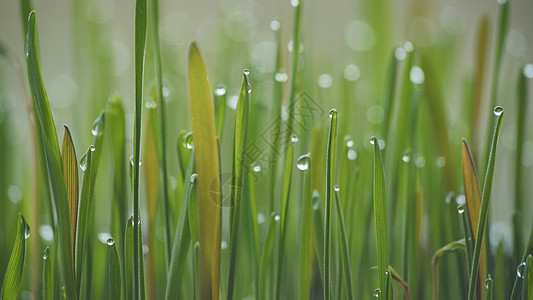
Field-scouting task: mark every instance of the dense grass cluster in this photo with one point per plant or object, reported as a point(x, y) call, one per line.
point(273, 188)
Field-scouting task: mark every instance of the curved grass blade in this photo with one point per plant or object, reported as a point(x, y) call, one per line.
point(237, 178)
point(266, 254)
point(182, 237)
point(208, 165)
point(284, 207)
point(140, 50)
point(345, 253)
point(473, 203)
point(82, 227)
point(48, 276)
point(114, 273)
point(70, 173)
point(380, 214)
point(487, 187)
point(15, 267)
point(306, 240)
point(448, 248)
point(53, 159)
point(331, 153)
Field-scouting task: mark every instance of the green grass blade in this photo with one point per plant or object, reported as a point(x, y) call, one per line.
point(318, 231)
point(485, 198)
point(345, 252)
point(48, 276)
point(15, 267)
point(208, 166)
point(114, 273)
point(163, 126)
point(192, 210)
point(140, 50)
point(389, 293)
point(70, 173)
point(295, 55)
point(184, 145)
point(82, 227)
point(331, 153)
point(448, 248)
point(306, 238)
point(51, 146)
point(129, 289)
point(284, 207)
point(380, 214)
point(182, 237)
point(220, 108)
point(266, 253)
point(488, 288)
point(526, 278)
point(237, 178)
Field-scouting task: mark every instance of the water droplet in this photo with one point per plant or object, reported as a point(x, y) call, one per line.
point(303, 162)
point(377, 293)
point(460, 199)
point(416, 75)
point(528, 71)
point(26, 231)
point(449, 197)
point(104, 237)
point(150, 105)
point(110, 242)
point(194, 178)
point(281, 77)
point(373, 140)
point(349, 142)
point(256, 167)
point(14, 194)
point(166, 92)
point(408, 47)
point(275, 25)
point(83, 160)
point(46, 253)
point(441, 161)
point(260, 218)
point(406, 158)
point(46, 232)
point(399, 53)
point(488, 282)
point(189, 142)
point(351, 72)
point(294, 138)
point(351, 154)
point(246, 72)
point(249, 88)
point(276, 218)
point(520, 270)
point(332, 112)
point(295, 3)
point(498, 111)
point(336, 188)
point(220, 90)
point(132, 161)
point(325, 81)
point(461, 209)
point(96, 128)
point(223, 245)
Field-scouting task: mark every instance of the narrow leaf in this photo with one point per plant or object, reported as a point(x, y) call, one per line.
point(15, 267)
point(380, 214)
point(70, 173)
point(48, 276)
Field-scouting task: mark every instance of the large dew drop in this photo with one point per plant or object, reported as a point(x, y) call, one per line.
point(303, 162)
point(110, 242)
point(220, 90)
point(194, 179)
point(498, 111)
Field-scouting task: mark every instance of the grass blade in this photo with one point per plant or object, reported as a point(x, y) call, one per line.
point(113, 270)
point(266, 254)
point(237, 178)
point(488, 288)
point(380, 214)
point(318, 231)
point(487, 187)
point(331, 153)
point(448, 248)
point(182, 237)
point(284, 208)
point(15, 267)
point(48, 276)
point(220, 108)
point(128, 259)
point(70, 173)
point(140, 49)
point(295, 55)
point(345, 253)
point(53, 159)
point(306, 240)
point(208, 165)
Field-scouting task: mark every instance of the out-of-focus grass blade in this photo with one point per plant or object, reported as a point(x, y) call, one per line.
point(70, 173)
point(473, 203)
point(48, 276)
point(15, 267)
point(192, 210)
point(294, 58)
point(182, 237)
point(184, 146)
point(345, 253)
point(331, 153)
point(51, 146)
point(306, 238)
point(208, 166)
point(529, 281)
point(287, 174)
point(448, 248)
point(482, 48)
point(220, 108)
point(487, 187)
point(380, 214)
point(237, 178)
point(318, 231)
point(266, 254)
point(488, 288)
point(86, 165)
point(114, 274)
